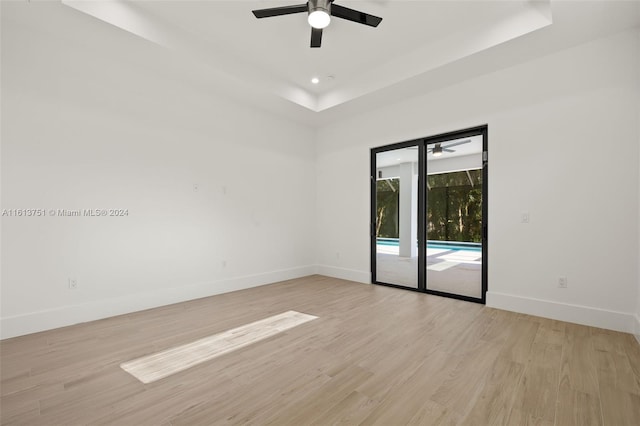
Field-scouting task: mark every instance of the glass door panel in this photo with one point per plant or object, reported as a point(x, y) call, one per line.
point(454, 216)
point(396, 216)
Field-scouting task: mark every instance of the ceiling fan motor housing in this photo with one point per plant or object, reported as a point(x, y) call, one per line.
point(319, 6)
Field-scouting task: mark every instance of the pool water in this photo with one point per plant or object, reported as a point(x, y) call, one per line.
point(445, 245)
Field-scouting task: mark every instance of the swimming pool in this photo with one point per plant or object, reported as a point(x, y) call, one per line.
point(434, 244)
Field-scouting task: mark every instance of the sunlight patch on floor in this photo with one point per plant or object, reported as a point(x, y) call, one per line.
point(162, 364)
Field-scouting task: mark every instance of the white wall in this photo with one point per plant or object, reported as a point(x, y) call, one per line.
point(85, 127)
point(563, 145)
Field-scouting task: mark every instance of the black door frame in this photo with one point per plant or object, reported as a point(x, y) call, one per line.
point(422, 205)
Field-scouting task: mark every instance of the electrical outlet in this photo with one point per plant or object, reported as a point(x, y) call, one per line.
point(73, 283)
point(524, 217)
point(562, 282)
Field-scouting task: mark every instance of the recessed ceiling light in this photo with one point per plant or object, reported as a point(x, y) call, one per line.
point(315, 80)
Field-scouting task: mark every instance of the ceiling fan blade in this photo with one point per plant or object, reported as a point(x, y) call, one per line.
point(354, 15)
point(279, 11)
point(430, 150)
point(448, 150)
point(457, 143)
point(316, 37)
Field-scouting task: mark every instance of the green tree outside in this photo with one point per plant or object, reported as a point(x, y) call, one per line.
point(454, 207)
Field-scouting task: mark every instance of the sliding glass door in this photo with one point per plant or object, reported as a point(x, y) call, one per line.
point(454, 219)
point(396, 218)
point(428, 214)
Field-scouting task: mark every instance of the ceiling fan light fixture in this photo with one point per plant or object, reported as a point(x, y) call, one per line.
point(437, 150)
point(319, 19)
point(319, 13)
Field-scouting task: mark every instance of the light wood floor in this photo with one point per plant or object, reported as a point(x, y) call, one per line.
point(375, 355)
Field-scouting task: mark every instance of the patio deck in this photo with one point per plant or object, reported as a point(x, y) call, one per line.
point(452, 271)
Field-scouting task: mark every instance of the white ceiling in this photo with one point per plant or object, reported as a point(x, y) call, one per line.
point(418, 47)
point(278, 47)
point(396, 156)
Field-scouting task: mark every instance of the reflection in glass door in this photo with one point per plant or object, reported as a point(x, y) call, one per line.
point(454, 216)
point(396, 221)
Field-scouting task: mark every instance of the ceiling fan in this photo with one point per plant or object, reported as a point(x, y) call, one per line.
point(319, 16)
point(438, 149)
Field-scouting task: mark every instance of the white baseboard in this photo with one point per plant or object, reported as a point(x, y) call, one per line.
point(74, 314)
point(344, 273)
point(34, 322)
point(585, 315)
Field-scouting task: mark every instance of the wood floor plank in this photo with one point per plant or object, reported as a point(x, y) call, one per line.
point(615, 371)
point(291, 394)
point(396, 367)
point(578, 363)
point(20, 412)
point(407, 397)
point(547, 344)
point(619, 390)
point(351, 410)
point(518, 345)
point(500, 327)
point(83, 404)
point(433, 414)
point(328, 395)
point(461, 389)
point(375, 355)
point(619, 407)
point(537, 392)
point(496, 397)
point(20, 380)
point(521, 418)
point(632, 350)
point(575, 408)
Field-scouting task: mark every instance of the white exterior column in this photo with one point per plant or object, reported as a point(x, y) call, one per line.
point(408, 210)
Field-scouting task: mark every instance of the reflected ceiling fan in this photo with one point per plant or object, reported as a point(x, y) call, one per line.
point(319, 16)
point(438, 149)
